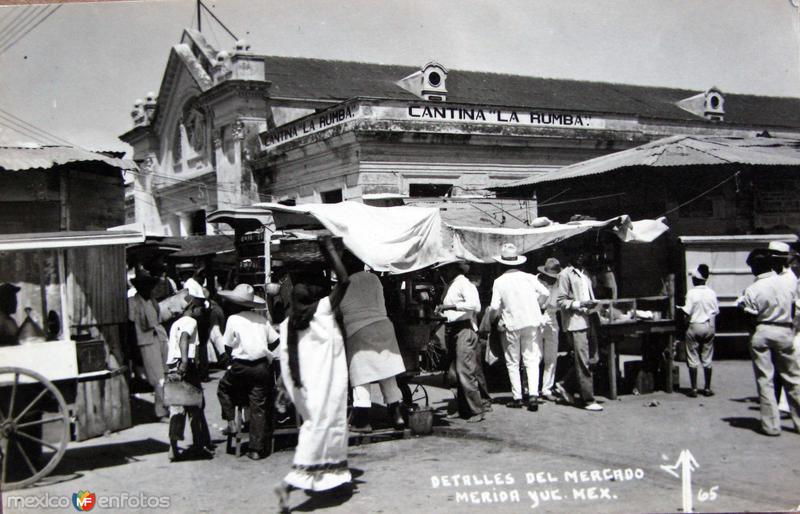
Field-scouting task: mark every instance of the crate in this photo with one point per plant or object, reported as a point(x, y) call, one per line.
point(91, 355)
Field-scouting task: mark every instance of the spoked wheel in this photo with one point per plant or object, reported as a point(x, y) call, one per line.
point(419, 395)
point(34, 427)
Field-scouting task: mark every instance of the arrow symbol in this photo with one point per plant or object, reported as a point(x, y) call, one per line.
point(686, 463)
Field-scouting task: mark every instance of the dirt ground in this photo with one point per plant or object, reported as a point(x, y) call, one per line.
point(560, 459)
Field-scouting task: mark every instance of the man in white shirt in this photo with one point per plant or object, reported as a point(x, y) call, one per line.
point(461, 305)
point(249, 335)
point(701, 308)
point(182, 366)
point(575, 299)
point(769, 300)
point(516, 300)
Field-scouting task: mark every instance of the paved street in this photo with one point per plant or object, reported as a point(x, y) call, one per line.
point(575, 461)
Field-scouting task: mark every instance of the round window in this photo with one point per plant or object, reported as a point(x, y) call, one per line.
point(434, 79)
point(714, 101)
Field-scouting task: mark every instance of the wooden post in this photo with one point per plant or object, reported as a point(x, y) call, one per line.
point(66, 308)
point(612, 369)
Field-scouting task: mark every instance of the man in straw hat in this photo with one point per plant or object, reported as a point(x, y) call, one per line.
point(460, 305)
point(701, 308)
point(548, 275)
point(769, 300)
point(515, 299)
point(151, 338)
point(575, 299)
point(780, 265)
point(249, 335)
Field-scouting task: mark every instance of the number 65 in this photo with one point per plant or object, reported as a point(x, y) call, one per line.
point(711, 495)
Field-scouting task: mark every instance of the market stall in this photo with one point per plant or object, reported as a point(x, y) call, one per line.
point(403, 241)
point(64, 330)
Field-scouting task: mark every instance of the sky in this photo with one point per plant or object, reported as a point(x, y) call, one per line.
point(77, 74)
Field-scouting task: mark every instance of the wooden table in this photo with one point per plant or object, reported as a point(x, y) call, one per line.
point(612, 331)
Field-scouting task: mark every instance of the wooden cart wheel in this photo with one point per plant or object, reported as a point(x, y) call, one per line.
point(419, 395)
point(22, 419)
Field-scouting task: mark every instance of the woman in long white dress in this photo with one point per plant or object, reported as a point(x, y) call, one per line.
point(314, 370)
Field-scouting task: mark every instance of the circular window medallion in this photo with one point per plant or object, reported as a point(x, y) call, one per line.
point(434, 79)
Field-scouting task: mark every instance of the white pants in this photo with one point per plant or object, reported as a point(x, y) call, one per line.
point(527, 343)
point(549, 356)
point(391, 393)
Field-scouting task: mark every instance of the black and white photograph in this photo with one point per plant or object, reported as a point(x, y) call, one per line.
point(373, 256)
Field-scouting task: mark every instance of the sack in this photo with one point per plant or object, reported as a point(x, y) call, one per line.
point(183, 394)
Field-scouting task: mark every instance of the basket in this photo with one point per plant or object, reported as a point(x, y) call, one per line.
point(304, 251)
point(182, 394)
point(420, 421)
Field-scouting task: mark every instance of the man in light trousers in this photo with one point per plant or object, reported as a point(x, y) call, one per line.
point(516, 298)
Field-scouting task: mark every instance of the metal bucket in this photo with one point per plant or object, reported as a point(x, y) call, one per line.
point(420, 421)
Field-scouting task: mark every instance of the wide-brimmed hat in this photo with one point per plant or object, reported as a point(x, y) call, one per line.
point(244, 295)
point(143, 280)
point(551, 267)
point(509, 255)
point(8, 289)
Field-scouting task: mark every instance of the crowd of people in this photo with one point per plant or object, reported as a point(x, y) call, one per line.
point(329, 340)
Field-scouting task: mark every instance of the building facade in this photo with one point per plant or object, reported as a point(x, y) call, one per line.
point(254, 128)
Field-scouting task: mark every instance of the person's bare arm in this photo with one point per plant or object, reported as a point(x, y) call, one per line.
point(341, 273)
point(183, 344)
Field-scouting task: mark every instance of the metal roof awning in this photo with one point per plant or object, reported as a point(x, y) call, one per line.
point(68, 239)
point(20, 158)
point(680, 150)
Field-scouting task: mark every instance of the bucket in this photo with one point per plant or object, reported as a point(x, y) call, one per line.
point(420, 421)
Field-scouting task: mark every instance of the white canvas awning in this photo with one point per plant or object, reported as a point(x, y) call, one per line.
point(404, 239)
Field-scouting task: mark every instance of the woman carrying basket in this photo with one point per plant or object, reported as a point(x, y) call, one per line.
point(314, 370)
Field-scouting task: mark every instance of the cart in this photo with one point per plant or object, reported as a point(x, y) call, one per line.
point(63, 379)
point(34, 417)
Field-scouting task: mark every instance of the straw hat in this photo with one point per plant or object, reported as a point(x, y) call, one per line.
point(244, 295)
point(551, 267)
point(509, 255)
point(195, 290)
point(779, 248)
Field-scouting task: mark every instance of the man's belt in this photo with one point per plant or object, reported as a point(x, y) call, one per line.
point(251, 363)
point(776, 323)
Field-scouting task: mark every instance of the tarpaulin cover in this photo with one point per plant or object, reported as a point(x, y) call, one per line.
point(481, 244)
point(393, 239)
point(403, 239)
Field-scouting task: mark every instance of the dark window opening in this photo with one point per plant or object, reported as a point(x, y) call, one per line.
point(334, 196)
point(198, 221)
point(428, 190)
point(435, 79)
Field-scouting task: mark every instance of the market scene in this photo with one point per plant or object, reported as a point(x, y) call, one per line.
point(292, 281)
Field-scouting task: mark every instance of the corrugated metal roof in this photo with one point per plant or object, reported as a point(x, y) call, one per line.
point(18, 158)
point(681, 151)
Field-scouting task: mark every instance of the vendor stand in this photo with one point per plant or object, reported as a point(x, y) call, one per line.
point(64, 368)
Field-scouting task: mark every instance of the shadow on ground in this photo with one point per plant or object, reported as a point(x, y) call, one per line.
point(753, 424)
point(108, 455)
